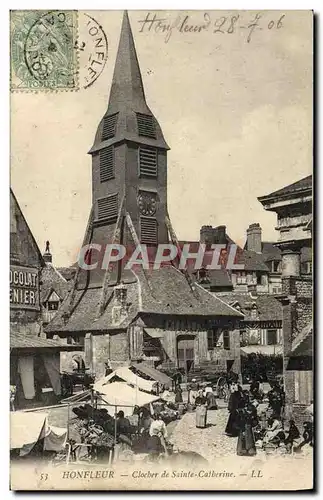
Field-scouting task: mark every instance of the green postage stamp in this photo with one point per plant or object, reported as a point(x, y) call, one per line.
point(43, 53)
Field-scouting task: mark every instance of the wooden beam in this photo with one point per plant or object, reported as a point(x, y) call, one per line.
point(107, 274)
point(86, 241)
point(137, 243)
point(179, 252)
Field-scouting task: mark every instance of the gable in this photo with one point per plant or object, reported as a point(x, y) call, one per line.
point(23, 247)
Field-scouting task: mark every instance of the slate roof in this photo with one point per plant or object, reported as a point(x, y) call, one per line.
point(68, 272)
point(270, 252)
point(21, 341)
point(298, 186)
point(268, 307)
point(252, 261)
point(165, 291)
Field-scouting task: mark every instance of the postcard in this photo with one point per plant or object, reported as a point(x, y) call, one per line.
point(161, 303)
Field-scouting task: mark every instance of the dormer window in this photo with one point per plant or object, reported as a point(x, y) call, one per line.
point(109, 126)
point(146, 125)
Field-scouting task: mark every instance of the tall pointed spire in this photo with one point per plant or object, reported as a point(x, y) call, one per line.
point(127, 99)
point(127, 87)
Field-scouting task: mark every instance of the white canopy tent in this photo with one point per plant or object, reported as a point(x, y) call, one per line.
point(122, 396)
point(131, 378)
point(27, 428)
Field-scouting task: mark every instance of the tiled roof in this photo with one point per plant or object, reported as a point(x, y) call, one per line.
point(166, 291)
point(252, 261)
point(21, 341)
point(303, 184)
point(268, 308)
point(270, 251)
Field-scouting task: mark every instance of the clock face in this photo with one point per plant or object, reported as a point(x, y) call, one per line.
point(147, 203)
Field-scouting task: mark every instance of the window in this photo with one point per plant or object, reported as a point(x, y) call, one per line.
point(147, 162)
point(106, 164)
point(146, 125)
point(277, 290)
point(275, 266)
point(259, 278)
point(226, 339)
point(108, 207)
point(241, 278)
point(306, 268)
point(271, 337)
point(148, 230)
point(109, 126)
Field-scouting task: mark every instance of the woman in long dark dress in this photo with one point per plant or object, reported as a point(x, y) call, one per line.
point(235, 402)
point(247, 421)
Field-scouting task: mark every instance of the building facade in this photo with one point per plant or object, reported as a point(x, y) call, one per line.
point(34, 361)
point(161, 315)
point(293, 206)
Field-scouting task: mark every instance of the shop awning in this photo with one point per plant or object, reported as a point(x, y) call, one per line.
point(154, 374)
point(268, 350)
point(154, 333)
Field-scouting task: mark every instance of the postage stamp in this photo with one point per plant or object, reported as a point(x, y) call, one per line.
point(42, 50)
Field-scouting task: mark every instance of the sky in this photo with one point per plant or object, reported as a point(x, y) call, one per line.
point(237, 116)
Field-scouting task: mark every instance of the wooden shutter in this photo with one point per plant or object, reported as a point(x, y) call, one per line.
point(109, 126)
point(108, 207)
point(106, 164)
point(148, 230)
point(148, 162)
point(146, 125)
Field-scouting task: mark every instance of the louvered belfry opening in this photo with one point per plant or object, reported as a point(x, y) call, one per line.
point(109, 126)
point(146, 125)
point(106, 164)
point(148, 162)
point(148, 230)
point(108, 207)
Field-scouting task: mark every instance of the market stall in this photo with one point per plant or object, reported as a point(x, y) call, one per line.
point(126, 375)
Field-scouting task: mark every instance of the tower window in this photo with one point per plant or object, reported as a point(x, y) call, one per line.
point(109, 126)
point(108, 207)
point(148, 230)
point(148, 162)
point(146, 125)
point(106, 164)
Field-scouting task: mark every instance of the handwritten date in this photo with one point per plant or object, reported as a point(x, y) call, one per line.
point(224, 25)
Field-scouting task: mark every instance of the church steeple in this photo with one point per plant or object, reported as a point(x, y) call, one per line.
point(128, 115)
point(129, 163)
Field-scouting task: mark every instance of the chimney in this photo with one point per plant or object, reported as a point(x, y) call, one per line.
point(47, 256)
point(207, 235)
point(220, 235)
point(254, 237)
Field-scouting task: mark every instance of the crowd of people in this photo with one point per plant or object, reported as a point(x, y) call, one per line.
point(257, 419)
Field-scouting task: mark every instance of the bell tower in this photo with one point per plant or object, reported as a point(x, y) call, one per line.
point(129, 160)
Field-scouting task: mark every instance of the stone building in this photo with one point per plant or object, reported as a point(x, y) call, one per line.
point(158, 315)
point(293, 206)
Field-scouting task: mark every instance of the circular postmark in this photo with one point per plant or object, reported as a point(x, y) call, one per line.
point(49, 51)
point(92, 47)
